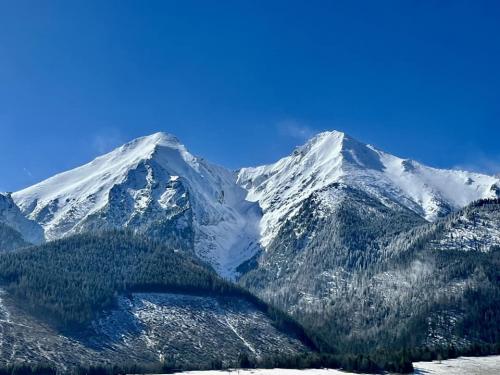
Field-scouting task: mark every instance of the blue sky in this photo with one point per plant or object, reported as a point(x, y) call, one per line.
point(243, 82)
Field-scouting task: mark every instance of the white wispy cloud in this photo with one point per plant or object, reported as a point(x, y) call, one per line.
point(27, 171)
point(481, 163)
point(106, 140)
point(296, 129)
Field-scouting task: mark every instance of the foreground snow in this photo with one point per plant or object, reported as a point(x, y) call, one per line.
point(276, 371)
point(463, 365)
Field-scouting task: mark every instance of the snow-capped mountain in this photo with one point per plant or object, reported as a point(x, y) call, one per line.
point(151, 185)
point(348, 230)
point(334, 157)
point(11, 216)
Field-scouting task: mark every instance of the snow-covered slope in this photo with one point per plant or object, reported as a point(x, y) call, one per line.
point(333, 157)
point(11, 216)
point(155, 186)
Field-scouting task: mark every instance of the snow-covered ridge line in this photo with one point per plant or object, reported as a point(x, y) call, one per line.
point(154, 185)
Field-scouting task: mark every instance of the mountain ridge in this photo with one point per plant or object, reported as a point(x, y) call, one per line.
point(154, 185)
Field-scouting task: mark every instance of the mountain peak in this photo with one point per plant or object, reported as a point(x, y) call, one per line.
point(148, 144)
point(336, 134)
point(326, 137)
point(163, 138)
point(151, 185)
point(333, 139)
point(336, 146)
point(335, 157)
point(89, 185)
point(322, 143)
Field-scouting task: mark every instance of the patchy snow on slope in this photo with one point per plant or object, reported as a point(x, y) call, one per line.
point(146, 328)
point(186, 326)
point(471, 231)
point(334, 157)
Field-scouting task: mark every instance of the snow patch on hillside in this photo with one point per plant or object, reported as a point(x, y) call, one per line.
point(146, 328)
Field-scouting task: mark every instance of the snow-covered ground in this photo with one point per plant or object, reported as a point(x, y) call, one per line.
point(460, 366)
point(276, 371)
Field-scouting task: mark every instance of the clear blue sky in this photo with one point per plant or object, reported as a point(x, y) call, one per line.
point(243, 82)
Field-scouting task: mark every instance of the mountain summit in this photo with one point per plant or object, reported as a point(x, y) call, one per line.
point(335, 157)
point(151, 185)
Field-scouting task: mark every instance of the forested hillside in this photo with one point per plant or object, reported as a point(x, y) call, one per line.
point(364, 283)
point(90, 293)
point(75, 279)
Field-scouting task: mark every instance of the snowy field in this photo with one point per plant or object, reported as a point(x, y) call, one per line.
point(460, 366)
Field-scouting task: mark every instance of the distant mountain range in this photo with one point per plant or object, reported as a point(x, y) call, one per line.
point(367, 250)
